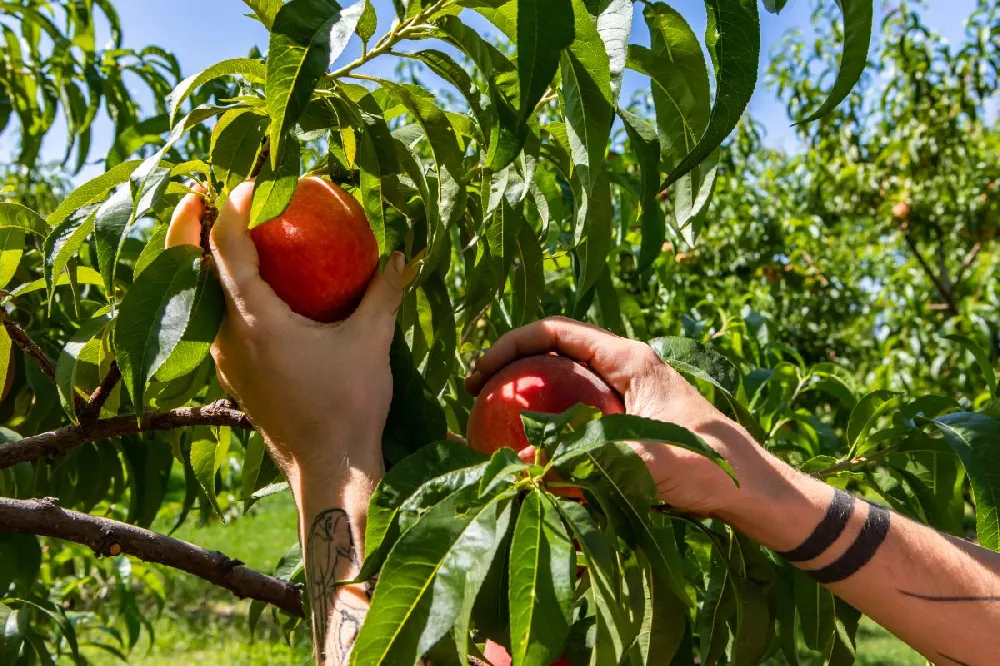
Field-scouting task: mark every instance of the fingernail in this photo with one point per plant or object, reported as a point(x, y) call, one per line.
point(398, 262)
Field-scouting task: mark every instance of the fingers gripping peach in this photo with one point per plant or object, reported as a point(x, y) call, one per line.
point(320, 254)
point(547, 384)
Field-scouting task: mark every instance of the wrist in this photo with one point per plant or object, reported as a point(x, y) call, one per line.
point(775, 505)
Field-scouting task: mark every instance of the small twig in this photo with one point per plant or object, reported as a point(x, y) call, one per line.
point(110, 538)
point(384, 45)
point(28, 346)
point(840, 467)
point(967, 263)
point(262, 157)
point(819, 274)
point(472, 326)
point(945, 294)
point(51, 444)
point(208, 219)
point(853, 462)
point(96, 401)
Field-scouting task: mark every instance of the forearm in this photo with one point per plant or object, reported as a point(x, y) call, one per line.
point(939, 594)
point(332, 503)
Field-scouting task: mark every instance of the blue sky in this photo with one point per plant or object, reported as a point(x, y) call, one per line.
point(202, 32)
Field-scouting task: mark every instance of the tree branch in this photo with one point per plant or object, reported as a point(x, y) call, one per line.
point(28, 346)
point(24, 342)
point(109, 538)
point(945, 294)
point(51, 444)
point(92, 409)
point(967, 263)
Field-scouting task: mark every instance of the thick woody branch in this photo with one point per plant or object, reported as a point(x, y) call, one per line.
point(109, 538)
point(51, 444)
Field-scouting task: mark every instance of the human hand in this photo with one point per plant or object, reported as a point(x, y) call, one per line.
point(319, 393)
point(651, 389)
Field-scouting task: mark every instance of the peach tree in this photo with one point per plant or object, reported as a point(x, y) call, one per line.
point(530, 189)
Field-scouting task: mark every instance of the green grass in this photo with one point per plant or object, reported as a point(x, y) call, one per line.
point(205, 625)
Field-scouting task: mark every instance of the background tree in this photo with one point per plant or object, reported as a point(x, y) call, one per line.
point(529, 190)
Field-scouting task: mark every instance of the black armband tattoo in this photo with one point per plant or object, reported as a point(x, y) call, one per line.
point(827, 532)
point(987, 598)
point(860, 553)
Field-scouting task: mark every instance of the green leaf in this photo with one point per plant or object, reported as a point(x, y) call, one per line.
point(62, 244)
point(645, 144)
point(542, 576)
point(69, 359)
point(774, 6)
point(111, 225)
point(91, 191)
point(693, 358)
point(236, 141)
point(754, 623)
point(544, 29)
point(21, 562)
point(858, 15)
point(448, 154)
point(425, 582)
point(207, 454)
point(6, 349)
point(982, 358)
point(264, 10)
point(415, 414)
point(301, 50)
point(11, 250)
point(612, 428)
point(445, 66)
point(587, 98)
point(253, 458)
point(404, 479)
point(614, 25)
point(275, 187)
point(368, 23)
point(621, 480)
point(716, 610)
point(16, 216)
point(157, 244)
point(843, 650)
point(866, 413)
point(733, 39)
point(171, 297)
point(598, 553)
point(595, 230)
point(663, 621)
point(974, 438)
point(252, 70)
point(816, 608)
point(528, 279)
point(370, 185)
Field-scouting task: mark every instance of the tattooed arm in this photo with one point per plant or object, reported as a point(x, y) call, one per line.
point(939, 594)
point(318, 393)
point(332, 539)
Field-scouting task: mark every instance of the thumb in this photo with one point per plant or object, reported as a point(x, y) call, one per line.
point(185, 224)
point(384, 294)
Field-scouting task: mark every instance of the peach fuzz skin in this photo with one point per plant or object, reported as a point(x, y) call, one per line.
point(320, 254)
point(548, 384)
